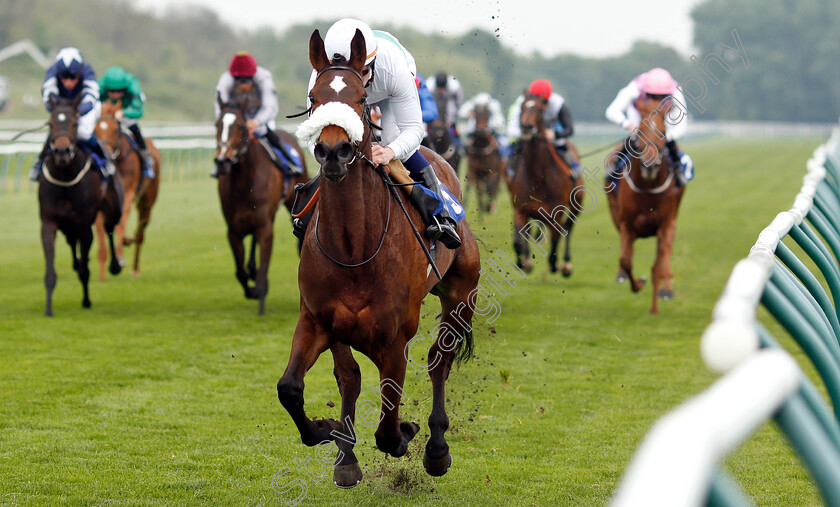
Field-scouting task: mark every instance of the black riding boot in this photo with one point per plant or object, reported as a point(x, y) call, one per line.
point(440, 226)
point(275, 141)
point(145, 156)
point(96, 147)
point(513, 160)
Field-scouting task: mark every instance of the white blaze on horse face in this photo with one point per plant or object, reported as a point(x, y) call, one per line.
point(103, 125)
point(338, 84)
point(227, 120)
point(61, 117)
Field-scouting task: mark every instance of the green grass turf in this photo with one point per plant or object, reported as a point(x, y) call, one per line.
point(164, 392)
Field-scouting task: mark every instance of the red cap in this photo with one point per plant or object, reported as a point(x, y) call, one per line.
point(540, 88)
point(242, 65)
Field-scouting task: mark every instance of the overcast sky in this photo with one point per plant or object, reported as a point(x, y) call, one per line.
point(584, 27)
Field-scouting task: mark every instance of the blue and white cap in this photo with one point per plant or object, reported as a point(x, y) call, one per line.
point(69, 61)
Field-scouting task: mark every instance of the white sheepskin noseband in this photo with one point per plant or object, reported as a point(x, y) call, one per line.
point(331, 113)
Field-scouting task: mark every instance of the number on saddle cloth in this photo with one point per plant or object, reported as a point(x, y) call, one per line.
point(456, 211)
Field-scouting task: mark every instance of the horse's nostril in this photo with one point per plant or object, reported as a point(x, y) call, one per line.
point(344, 152)
point(321, 153)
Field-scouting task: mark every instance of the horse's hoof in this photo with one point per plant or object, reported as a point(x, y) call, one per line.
point(621, 277)
point(409, 429)
point(666, 294)
point(251, 293)
point(85, 304)
point(347, 476)
point(437, 466)
point(135, 273)
point(122, 262)
point(528, 267)
point(128, 241)
point(552, 267)
point(115, 268)
point(567, 269)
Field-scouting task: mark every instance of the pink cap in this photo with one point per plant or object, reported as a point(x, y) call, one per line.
point(658, 82)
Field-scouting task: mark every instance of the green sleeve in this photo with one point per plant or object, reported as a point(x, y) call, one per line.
point(133, 103)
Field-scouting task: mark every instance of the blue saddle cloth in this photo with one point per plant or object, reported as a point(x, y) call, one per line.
point(456, 211)
point(284, 161)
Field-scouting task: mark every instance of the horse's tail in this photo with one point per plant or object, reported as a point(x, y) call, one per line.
point(465, 347)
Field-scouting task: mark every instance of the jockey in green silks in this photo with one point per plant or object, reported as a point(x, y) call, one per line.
point(119, 86)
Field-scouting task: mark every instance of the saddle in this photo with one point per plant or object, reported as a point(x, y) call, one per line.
point(288, 163)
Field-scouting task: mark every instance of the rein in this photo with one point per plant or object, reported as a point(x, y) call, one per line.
point(28, 131)
point(49, 177)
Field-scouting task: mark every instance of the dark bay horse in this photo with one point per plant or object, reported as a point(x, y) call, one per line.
point(485, 164)
point(647, 200)
point(363, 277)
point(440, 138)
point(70, 194)
point(138, 189)
point(542, 189)
point(251, 188)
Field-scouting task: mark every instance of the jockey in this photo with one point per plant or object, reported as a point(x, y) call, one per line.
point(656, 84)
point(557, 118)
point(389, 78)
point(119, 86)
point(245, 78)
point(67, 78)
point(448, 90)
point(496, 123)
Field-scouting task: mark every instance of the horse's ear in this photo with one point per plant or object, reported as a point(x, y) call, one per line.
point(317, 53)
point(51, 101)
point(77, 100)
point(358, 51)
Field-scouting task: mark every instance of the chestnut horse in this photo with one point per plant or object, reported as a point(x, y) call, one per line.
point(647, 200)
point(251, 188)
point(70, 194)
point(138, 189)
point(541, 189)
point(485, 164)
point(363, 277)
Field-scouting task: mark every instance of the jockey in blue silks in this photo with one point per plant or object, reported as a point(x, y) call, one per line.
point(68, 77)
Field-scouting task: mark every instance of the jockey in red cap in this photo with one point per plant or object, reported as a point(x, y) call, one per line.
point(245, 78)
point(556, 116)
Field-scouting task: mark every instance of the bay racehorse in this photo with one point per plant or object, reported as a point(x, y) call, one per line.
point(70, 194)
point(251, 188)
point(647, 199)
point(138, 189)
point(542, 189)
point(363, 277)
point(485, 164)
point(440, 138)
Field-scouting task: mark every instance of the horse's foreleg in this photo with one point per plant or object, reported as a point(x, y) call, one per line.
point(552, 254)
point(113, 212)
point(393, 435)
point(144, 211)
point(567, 254)
point(235, 239)
point(662, 266)
point(266, 240)
point(85, 242)
point(626, 260)
point(349, 378)
point(520, 244)
point(307, 344)
point(252, 258)
point(121, 228)
point(48, 230)
point(101, 249)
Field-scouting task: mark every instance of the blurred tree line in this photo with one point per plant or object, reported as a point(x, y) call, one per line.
point(179, 56)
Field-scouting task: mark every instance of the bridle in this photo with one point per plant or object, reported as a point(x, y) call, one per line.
point(224, 140)
point(62, 119)
point(657, 164)
point(357, 154)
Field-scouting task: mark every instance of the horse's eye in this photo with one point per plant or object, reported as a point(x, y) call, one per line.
point(311, 98)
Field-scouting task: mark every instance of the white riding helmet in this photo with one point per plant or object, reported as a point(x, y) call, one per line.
point(338, 38)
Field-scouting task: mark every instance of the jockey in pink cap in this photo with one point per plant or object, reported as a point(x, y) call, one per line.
point(658, 84)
